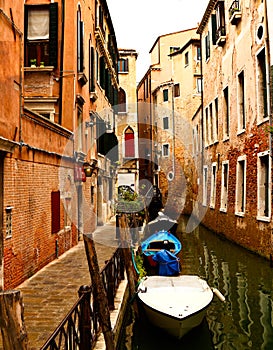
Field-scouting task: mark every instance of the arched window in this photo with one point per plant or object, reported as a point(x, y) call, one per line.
point(129, 143)
point(122, 101)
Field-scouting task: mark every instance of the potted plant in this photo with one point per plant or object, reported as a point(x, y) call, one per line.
point(33, 62)
point(42, 64)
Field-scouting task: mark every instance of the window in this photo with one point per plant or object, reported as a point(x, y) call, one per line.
point(207, 46)
point(206, 126)
point(241, 186)
point(262, 93)
point(195, 140)
point(264, 185)
point(173, 49)
point(213, 185)
point(80, 41)
point(165, 150)
point(55, 211)
point(121, 101)
point(186, 59)
point(92, 77)
point(226, 112)
point(211, 124)
point(199, 85)
point(165, 123)
point(123, 66)
point(205, 185)
point(220, 21)
point(176, 90)
point(198, 53)
point(129, 143)
point(224, 186)
point(102, 72)
point(9, 222)
point(165, 95)
point(216, 117)
point(241, 101)
point(41, 40)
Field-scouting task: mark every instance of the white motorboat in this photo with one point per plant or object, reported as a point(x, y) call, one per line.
point(175, 304)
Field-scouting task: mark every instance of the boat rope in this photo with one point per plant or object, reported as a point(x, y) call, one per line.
point(134, 260)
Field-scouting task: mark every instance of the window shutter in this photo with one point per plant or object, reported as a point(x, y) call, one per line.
point(92, 70)
point(213, 29)
point(55, 212)
point(81, 45)
point(53, 34)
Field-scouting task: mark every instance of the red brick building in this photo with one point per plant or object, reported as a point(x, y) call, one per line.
point(237, 184)
point(59, 86)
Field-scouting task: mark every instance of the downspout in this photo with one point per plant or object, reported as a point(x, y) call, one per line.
point(202, 109)
point(270, 97)
point(61, 64)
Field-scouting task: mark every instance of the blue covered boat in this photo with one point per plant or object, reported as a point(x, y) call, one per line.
point(161, 240)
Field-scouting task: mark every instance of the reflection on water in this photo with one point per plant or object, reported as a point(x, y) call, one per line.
point(244, 321)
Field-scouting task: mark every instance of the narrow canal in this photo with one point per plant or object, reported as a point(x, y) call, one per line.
point(244, 321)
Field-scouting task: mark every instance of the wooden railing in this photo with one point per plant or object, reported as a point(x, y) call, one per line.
point(80, 328)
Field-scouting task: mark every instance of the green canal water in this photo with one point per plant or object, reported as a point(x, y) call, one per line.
point(244, 321)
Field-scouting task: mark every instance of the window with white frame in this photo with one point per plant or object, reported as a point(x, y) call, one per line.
point(226, 112)
point(165, 122)
point(213, 185)
point(199, 85)
point(224, 186)
point(205, 185)
point(241, 102)
point(211, 124)
point(262, 86)
point(240, 186)
point(165, 150)
point(216, 117)
point(264, 185)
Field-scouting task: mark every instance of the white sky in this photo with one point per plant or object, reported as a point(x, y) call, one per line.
point(138, 24)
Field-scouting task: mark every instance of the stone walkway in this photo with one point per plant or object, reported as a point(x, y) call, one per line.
point(50, 293)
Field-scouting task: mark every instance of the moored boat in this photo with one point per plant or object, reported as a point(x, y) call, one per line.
point(161, 240)
point(175, 304)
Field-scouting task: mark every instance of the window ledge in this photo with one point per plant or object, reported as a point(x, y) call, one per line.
point(39, 69)
point(240, 214)
point(261, 121)
point(241, 132)
point(223, 210)
point(263, 218)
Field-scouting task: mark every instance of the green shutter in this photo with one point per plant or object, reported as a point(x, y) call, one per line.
point(53, 34)
point(213, 29)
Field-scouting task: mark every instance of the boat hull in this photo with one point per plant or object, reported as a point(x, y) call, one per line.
point(178, 306)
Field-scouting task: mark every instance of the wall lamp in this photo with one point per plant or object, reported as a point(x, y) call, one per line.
point(89, 168)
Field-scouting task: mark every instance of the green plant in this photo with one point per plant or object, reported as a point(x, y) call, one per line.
point(140, 267)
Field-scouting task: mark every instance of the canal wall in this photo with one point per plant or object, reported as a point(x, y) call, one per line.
point(117, 315)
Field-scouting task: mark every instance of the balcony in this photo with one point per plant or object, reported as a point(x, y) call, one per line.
point(235, 13)
point(220, 36)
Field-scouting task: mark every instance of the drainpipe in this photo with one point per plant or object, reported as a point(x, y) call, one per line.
point(202, 109)
point(61, 64)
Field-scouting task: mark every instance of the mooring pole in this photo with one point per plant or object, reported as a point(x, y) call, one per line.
point(99, 291)
point(124, 240)
point(13, 330)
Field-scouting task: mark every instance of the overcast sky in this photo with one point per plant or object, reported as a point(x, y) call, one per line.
point(138, 24)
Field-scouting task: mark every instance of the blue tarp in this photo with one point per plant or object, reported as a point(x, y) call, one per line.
point(168, 263)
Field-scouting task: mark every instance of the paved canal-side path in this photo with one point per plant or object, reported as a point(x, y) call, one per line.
point(50, 293)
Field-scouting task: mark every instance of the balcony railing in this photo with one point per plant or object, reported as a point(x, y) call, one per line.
point(220, 35)
point(235, 12)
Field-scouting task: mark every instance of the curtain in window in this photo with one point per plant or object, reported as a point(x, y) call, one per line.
point(38, 24)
